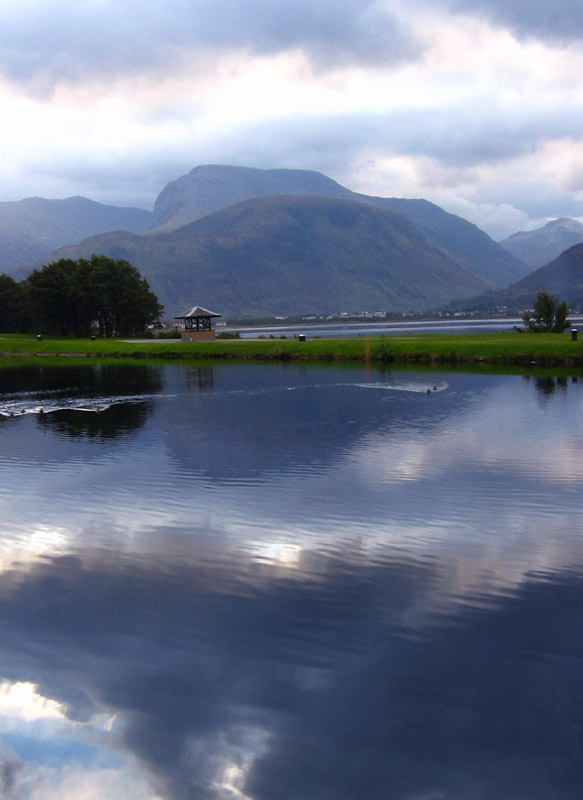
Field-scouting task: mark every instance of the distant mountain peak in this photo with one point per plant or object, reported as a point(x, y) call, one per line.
point(540, 246)
point(211, 187)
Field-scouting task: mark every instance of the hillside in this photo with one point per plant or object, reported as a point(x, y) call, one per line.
point(209, 188)
point(31, 228)
point(464, 240)
point(563, 277)
point(541, 246)
point(291, 254)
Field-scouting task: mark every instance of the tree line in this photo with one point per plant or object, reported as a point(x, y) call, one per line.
point(76, 298)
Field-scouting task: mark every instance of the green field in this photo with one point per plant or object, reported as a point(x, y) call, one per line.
point(479, 348)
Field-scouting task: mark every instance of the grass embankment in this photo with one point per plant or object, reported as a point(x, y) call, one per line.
point(488, 348)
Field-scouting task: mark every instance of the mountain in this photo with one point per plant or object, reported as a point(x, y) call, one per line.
point(539, 247)
point(212, 187)
point(283, 254)
point(31, 228)
point(209, 188)
point(464, 240)
point(562, 277)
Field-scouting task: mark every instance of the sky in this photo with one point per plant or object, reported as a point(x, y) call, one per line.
point(476, 106)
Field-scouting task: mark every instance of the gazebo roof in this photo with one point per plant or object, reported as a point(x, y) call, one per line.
point(197, 311)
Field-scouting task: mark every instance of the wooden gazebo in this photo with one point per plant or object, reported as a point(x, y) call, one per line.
point(197, 324)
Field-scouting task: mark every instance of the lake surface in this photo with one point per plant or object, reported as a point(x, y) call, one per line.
point(290, 583)
point(328, 330)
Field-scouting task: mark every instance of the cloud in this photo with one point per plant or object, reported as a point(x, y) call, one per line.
point(43, 45)
point(10, 770)
point(556, 22)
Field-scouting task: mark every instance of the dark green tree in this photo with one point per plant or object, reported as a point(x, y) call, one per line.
point(549, 316)
point(53, 306)
point(116, 297)
point(13, 316)
point(69, 297)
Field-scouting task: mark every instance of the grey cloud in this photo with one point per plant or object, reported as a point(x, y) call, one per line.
point(455, 136)
point(448, 143)
point(10, 769)
point(560, 21)
point(44, 44)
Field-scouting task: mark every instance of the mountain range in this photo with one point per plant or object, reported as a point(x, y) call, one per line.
point(250, 241)
point(541, 246)
point(285, 254)
point(254, 242)
point(33, 228)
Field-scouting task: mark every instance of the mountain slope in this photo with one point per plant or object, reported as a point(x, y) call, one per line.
point(464, 240)
point(562, 277)
point(291, 254)
point(32, 227)
point(539, 247)
point(209, 188)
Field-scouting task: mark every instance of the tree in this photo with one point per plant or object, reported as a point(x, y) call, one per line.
point(116, 297)
point(13, 317)
point(549, 316)
point(53, 300)
point(68, 297)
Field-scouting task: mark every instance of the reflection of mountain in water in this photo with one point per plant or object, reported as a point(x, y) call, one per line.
point(245, 423)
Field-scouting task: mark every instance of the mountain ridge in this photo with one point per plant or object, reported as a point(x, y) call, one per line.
point(541, 246)
point(208, 188)
point(281, 254)
point(459, 259)
point(34, 227)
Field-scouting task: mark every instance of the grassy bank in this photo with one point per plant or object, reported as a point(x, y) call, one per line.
point(487, 348)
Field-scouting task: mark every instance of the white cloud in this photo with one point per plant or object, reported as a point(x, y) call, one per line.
point(21, 700)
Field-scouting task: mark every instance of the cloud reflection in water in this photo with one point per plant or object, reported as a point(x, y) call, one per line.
point(410, 628)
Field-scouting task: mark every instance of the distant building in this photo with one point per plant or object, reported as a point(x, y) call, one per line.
point(197, 324)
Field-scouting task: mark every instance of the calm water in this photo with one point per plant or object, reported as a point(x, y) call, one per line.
point(290, 583)
point(329, 330)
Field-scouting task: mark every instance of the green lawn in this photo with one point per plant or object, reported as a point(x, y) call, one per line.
point(487, 348)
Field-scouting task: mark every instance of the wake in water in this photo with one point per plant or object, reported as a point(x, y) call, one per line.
point(409, 386)
point(20, 405)
point(13, 406)
point(398, 386)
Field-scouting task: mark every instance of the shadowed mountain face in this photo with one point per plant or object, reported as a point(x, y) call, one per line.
point(211, 188)
point(286, 254)
point(31, 228)
point(470, 245)
point(541, 246)
point(563, 278)
point(207, 189)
